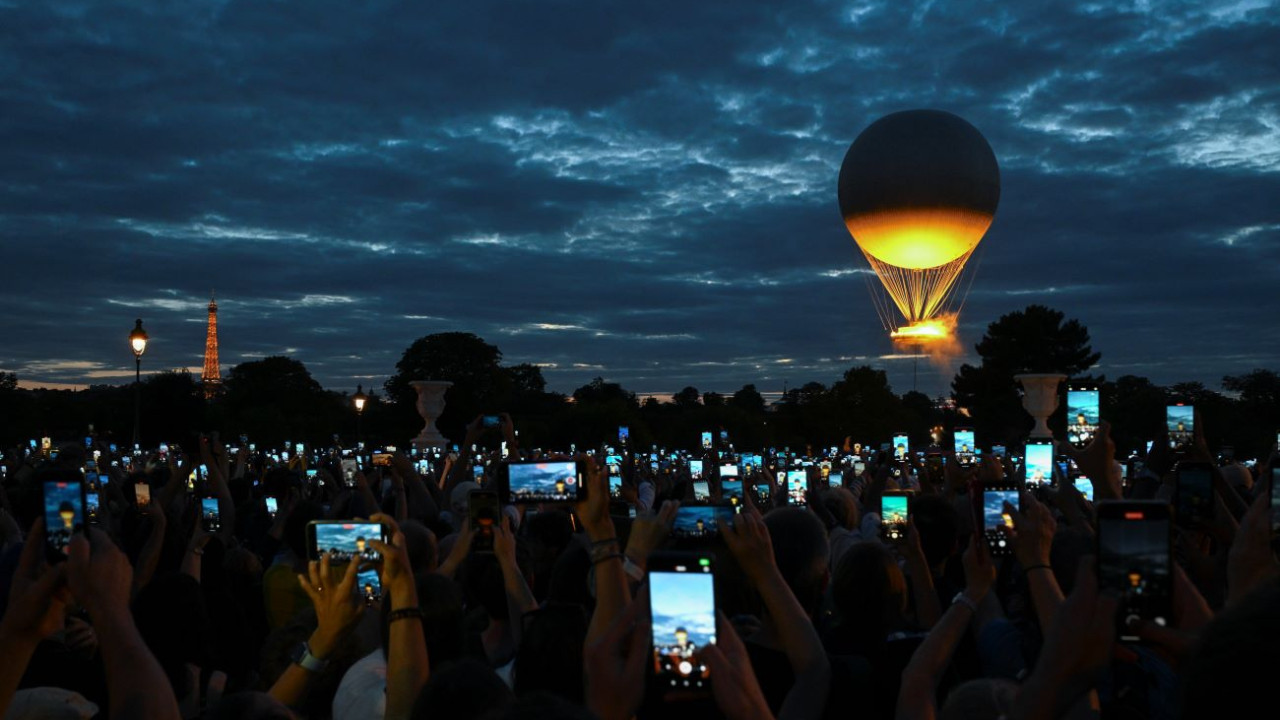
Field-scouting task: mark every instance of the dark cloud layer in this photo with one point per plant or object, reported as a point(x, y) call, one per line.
point(643, 191)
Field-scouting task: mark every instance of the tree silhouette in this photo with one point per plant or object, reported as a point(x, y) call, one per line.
point(1034, 340)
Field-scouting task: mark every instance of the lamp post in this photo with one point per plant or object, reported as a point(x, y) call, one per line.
point(359, 399)
point(138, 340)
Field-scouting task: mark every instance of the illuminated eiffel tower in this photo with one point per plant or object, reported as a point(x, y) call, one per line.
point(212, 375)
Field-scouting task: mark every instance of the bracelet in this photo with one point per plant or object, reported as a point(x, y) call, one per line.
point(597, 553)
point(634, 571)
point(1041, 566)
point(408, 613)
point(606, 558)
point(196, 551)
point(960, 599)
point(606, 541)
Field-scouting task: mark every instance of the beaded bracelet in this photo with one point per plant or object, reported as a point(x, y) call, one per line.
point(606, 558)
point(408, 613)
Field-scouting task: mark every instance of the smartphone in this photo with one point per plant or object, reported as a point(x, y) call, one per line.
point(142, 493)
point(695, 469)
point(369, 585)
point(1193, 493)
point(764, 491)
point(491, 421)
point(1082, 414)
point(545, 482)
point(381, 459)
point(893, 516)
point(997, 525)
point(797, 486)
point(624, 434)
point(1084, 486)
point(91, 506)
point(1038, 461)
point(701, 491)
point(347, 539)
point(297, 448)
point(1180, 422)
point(477, 473)
point(485, 513)
point(1134, 560)
point(706, 441)
point(682, 602)
point(731, 491)
point(273, 506)
point(729, 471)
point(900, 446)
point(64, 514)
point(210, 518)
point(836, 479)
point(962, 440)
point(700, 521)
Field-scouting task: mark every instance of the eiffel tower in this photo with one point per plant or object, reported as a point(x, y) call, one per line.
point(212, 375)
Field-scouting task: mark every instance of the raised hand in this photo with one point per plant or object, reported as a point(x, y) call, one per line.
point(1033, 530)
point(1251, 561)
point(748, 540)
point(334, 597)
point(1077, 649)
point(594, 511)
point(99, 575)
point(733, 681)
point(648, 532)
point(38, 594)
point(1098, 462)
point(979, 572)
point(397, 572)
point(615, 663)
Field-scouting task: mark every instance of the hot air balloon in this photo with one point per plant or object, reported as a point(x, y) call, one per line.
point(918, 190)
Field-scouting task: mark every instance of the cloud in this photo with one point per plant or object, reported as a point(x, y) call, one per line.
point(598, 189)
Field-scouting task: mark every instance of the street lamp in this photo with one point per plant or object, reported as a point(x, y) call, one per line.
point(359, 399)
point(137, 340)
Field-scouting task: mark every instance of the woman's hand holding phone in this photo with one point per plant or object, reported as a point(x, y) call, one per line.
point(397, 573)
point(337, 606)
point(37, 596)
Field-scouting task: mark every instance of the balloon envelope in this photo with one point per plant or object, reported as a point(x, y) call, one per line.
point(918, 189)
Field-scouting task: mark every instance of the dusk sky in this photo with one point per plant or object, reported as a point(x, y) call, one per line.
point(644, 191)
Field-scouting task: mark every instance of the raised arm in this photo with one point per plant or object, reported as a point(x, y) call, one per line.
point(37, 597)
point(1033, 530)
point(612, 591)
point(337, 611)
point(748, 539)
point(100, 578)
point(921, 677)
point(407, 662)
point(520, 598)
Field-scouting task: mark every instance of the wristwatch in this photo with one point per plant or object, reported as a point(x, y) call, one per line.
point(304, 659)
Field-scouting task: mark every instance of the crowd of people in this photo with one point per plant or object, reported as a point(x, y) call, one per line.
point(192, 585)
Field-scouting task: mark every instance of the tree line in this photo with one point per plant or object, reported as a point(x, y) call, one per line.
point(275, 399)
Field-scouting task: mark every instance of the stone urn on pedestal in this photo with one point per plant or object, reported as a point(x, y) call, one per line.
point(430, 406)
point(1040, 399)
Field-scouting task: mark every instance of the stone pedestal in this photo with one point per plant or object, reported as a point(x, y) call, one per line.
point(430, 406)
point(1040, 399)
